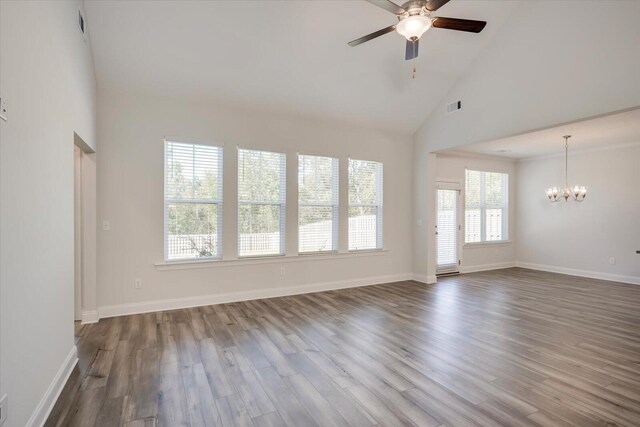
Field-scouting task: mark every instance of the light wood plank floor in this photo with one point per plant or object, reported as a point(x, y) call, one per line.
point(511, 347)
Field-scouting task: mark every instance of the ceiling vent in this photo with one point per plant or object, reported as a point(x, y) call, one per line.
point(453, 107)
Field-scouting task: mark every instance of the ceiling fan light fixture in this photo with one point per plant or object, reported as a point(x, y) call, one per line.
point(413, 27)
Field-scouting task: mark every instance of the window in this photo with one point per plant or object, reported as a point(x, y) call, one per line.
point(192, 201)
point(365, 205)
point(485, 206)
point(261, 203)
point(317, 204)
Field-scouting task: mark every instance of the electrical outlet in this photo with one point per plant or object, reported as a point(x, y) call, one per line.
point(612, 261)
point(3, 109)
point(106, 225)
point(3, 409)
point(138, 283)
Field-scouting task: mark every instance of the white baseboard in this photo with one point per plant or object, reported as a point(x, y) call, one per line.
point(89, 317)
point(422, 278)
point(582, 273)
point(486, 267)
point(197, 301)
point(177, 303)
point(42, 411)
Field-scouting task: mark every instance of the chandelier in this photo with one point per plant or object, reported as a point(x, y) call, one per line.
point(577, 192)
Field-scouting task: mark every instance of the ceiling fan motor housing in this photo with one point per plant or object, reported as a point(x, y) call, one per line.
point(414, 19)
point(414, 7)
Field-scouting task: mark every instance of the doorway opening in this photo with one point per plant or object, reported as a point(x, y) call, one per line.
point(77, 232)
point(84, 230)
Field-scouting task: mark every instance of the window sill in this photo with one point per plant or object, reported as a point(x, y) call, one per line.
point(241, 262)
point(364, 251)
point(318, 253)
point(485, 244)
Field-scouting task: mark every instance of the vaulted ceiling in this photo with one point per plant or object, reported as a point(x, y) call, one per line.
point(289, 56)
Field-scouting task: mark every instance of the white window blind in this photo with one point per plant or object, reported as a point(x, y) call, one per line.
point(365, 205)
point(192, 201)
point(261, 203)
point(486, 203)
point(317, 204)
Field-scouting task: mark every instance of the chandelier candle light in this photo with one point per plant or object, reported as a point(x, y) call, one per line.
point(577, 192)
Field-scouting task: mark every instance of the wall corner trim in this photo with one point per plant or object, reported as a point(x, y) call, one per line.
point(89, 317)
point(429, 280)
point(222, 298)
point(42, 411)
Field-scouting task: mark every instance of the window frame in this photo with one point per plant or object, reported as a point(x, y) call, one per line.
point(218, 202)
point(483, 207)
point(379, 205)
point(282, 204)
point(334, 205)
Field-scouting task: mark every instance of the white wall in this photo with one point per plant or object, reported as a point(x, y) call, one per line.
point(451, 166)
point(551, 63)
point(131, 130)
point(46, 75)
point(424, 213)
point(582, 236)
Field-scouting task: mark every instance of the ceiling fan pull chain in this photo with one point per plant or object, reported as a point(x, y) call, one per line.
point(414, 71)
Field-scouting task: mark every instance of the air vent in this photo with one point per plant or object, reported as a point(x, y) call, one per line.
point(453, 107)
point(81, 21)
point(82, 24)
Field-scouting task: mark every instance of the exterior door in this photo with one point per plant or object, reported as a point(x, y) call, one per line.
point(448, 231)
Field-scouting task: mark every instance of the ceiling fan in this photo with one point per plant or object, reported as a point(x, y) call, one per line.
point(414, 19)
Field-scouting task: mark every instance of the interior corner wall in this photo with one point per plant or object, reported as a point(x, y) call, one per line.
point(131, 131)
point(580, 238)
point(475, 257)
point(47, 79)
point(421, 196)
point(424, 214)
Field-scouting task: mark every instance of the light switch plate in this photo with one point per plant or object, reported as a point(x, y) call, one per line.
point(3, 109)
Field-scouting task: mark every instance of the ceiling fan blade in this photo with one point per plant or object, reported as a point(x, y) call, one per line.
point(467, 25)
point(433, 5)
point(412, 50)
point(372, 36)
point(389, 6)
